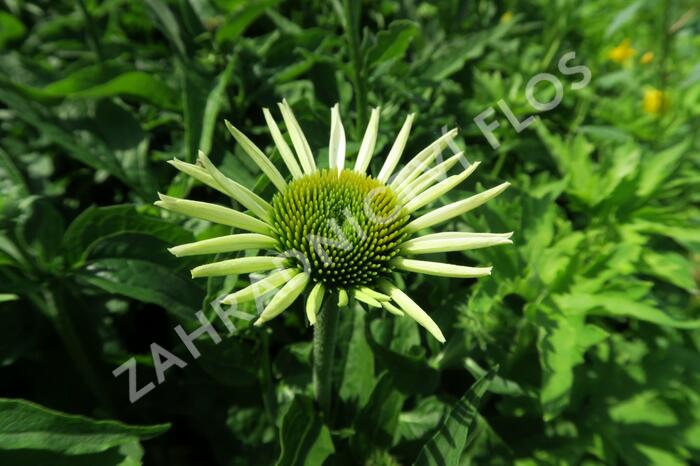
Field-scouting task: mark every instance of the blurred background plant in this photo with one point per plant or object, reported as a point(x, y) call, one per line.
point(592, 316)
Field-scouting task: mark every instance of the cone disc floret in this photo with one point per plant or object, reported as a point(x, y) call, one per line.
point(343, 228)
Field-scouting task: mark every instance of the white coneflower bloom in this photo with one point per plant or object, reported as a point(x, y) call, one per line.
point(338, 229)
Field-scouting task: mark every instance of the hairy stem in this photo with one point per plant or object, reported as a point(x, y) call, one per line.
point(324, 349)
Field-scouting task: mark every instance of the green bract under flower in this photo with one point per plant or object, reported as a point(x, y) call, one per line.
point(346, 226)
point(336, 229)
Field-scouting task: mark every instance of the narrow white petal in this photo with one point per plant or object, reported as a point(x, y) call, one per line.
point(314, 301)
point(396, 150)
point(258, 157)
point(370, 301)
point(237, 191)
point(239, 266)
point(284, 298)
point(213, 213)
point(459, 242)
point(287, 155)
point(228, 243)
point(368, 142)
point(420, 184)
point(455, 209)
point(301, 145)
point(197, 173)
point(336, 145)
point(413, 310)
point(439, 269)
point(374, 294)
point(261, 287)
point(438, 190)
point(392, 309)
point(410, 172)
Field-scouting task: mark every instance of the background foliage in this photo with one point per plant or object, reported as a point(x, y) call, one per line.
point(591, 316)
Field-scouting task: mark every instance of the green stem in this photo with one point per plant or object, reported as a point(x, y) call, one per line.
point(324, 348)
point(352, 32)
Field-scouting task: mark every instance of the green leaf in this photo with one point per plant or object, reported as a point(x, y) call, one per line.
point(40, 228)
point(11, 29)
point(425, 417)
point(358, 370)
point(392, 43)
point(618, 305)
point(448, 443)
point(241, 18)
point(563, 340)
point(304, 440)
point(97, 223)
point(25, 425)
point(670, 267)
point(147, 282)
point(377, 421)
point(657, 168)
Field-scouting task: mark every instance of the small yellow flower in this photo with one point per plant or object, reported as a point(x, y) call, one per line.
point(647, 58)
point(655, 101)
point(622, 52)
point(507, 17)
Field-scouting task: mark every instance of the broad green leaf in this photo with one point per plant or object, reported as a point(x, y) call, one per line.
point(40, 228)
point(97, 223)
point(25, 425)
point(377, 421)
point(392, 43)
point(657, 168)
point(241, 18)
point(448, 443)
point(425, 417)
point(670, 267)
point(563, 340)
point(304, 439)
point(11, 28)
point(147, 282)
point(613, 304)
point(358, 371)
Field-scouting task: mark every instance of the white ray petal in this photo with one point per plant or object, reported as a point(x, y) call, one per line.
point(455, 209)
point(198, 173)
point(336, 145)
point(237, 191)
point(287, 155)
point(410, 172)
point(368, 142)
point(396, 150)
point(392, 309)
point(420, 184)
point(213, 213)
point(301, 145)
point(284, 298)
point(440, 269)
point(365, 298)
point(438, 242)
point(228, 243)
point(438, 190)
point(258, 157)
point(314, 302)
point(413, 310)
point(374, 294)
point(261, 287)
point(239, 266)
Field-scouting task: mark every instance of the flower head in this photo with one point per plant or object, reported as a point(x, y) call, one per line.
point(622, 52)
point(655, 101)
point(647, 58)
point(336, 230)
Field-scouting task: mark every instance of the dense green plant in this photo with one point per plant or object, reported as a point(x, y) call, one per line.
point(582, 348)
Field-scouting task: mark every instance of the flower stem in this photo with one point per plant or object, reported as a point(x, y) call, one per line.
point(324, 349)
point(352, 31)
